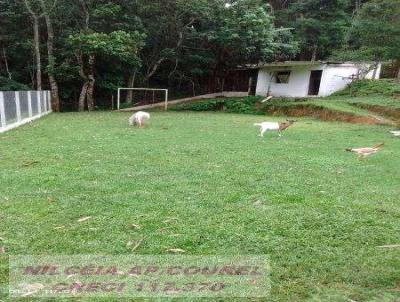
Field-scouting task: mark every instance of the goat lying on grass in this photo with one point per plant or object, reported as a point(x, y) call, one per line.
point(139, 118)
point(273, 126)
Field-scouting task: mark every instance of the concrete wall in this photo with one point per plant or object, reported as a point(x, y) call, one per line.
point(298, 82)
point(335, 77)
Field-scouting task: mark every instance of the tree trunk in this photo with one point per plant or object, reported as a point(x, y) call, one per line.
point(131, 84)
point(314, 53)
point(91, 82)
point(89, 95)
point(55, 98)
point(152, 70)
point(87, 91)
point(193, 87)
point(6, 63)
point(36, 43)
point(358, 5)
point(82, 97)
point(396, 69)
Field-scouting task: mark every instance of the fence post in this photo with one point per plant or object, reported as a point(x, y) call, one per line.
point(2, 110)
point(38, 101)
point(30, 103)
point(18, 106)
point(45, 100)
point(49, 101)
point(166, 100)
point(118, 98)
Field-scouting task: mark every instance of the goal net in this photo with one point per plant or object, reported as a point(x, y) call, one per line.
point(134, 97)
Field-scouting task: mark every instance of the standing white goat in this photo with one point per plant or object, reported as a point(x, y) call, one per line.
point(273, 126)
point(139, 118)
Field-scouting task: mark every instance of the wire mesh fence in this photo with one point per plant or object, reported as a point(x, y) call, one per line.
point(20, 107)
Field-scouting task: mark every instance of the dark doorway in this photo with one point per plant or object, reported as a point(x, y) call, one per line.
point(315, 82)
point(253, 79)
point(239, 80)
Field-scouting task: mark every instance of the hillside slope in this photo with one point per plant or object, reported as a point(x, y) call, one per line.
point(366, 102)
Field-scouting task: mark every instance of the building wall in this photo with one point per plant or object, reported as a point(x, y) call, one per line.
point(335, 77)
point(298, 82)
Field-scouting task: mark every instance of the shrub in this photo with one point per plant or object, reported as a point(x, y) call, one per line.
point(11, 85)
point(212, 105)
point(234, 105)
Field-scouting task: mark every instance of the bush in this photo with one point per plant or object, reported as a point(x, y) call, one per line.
point(10, 85)
point(246, 105)
point(384, 87)
point(212, 105)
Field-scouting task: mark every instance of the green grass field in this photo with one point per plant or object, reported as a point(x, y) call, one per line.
point(388, 102)
point(205, 183)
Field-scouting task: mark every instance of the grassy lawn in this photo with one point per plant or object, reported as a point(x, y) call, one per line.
point(389, 102)
point(358, 99)
point(385, 92)
point(345, 104)
point(205, 183)
point(339, 104)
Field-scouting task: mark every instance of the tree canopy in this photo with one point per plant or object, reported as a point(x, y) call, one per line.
point(84, 49)
point(375, 34)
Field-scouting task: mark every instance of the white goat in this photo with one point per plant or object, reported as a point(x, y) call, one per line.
point(139, 118)
point(273, 126)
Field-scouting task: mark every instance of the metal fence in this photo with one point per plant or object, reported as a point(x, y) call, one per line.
point(20, 107)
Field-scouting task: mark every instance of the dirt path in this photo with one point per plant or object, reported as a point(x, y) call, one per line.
point(384, 121)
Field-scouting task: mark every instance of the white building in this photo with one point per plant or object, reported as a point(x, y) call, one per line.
point(305, 79)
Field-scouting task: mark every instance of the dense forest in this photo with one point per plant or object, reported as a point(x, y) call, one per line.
point(82, 50)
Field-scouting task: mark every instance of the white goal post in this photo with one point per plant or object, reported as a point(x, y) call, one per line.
point(143, 89)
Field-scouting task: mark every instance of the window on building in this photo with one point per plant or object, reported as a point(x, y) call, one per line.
point(282, 77)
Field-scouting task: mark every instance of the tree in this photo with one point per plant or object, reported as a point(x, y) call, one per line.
point(375, 32)
point(36, 41)
point(119, 44)
point(5, 37)
point(106, 35)
point(94, 46)
point(165, 37)
point(17, 56)
point(47, 13)
point(320, 26)
point(37, 10)
point(228, 36)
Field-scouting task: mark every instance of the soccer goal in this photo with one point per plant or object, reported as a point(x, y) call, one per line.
point(144, 97)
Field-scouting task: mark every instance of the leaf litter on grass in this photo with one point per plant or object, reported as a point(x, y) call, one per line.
point(83, 219)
